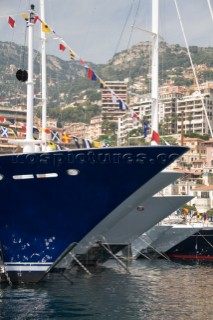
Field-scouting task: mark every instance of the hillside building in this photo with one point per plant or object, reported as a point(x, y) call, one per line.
point(194, 115)
point(110, 104)
point(209, 152)
point(176, 108)
point(197, 152)
point(91, 131)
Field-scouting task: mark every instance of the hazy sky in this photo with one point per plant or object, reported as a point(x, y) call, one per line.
point(96, 29)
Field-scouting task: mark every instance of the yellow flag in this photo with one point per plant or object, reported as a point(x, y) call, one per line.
point(52, 145)
point(10, 130)
point(25, 16)
point(72, 54)
point(96, 144)
point(45, 28)
point(102, 84)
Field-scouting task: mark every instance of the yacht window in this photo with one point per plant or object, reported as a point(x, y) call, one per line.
point(47, 175)
point(23, 176)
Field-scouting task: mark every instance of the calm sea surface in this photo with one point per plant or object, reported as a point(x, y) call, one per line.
point(153, 290)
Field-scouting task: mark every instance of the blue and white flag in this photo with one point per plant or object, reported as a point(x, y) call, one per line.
point(86, 144)
point(54, 135)
point(76, 142)
point(145, 129)
point(4, 132)
point(122, 105)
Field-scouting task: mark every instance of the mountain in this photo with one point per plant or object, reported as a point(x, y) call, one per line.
point(61, 75)
point(135, 62)
point(67, 80)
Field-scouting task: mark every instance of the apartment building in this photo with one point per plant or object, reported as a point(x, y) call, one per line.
point(112, 113)
point(110, 96)
point(90, 131)
point(197, 151)
point(167, 115)
point(203, 197)
point(209, 152)
point(95, 128)
point(177, 111)
point(16, 113)
point(197, 112)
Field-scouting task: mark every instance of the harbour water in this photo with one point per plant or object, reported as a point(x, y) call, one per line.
point(152, 290)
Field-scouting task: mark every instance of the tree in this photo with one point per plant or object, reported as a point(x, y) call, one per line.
point(210, 212)
point(109, 128)
point(197, 135)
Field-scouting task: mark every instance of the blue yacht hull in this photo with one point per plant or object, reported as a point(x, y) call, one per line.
point(197, 247)
point(52, 200)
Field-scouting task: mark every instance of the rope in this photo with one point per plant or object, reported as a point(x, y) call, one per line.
point(125, 23)
point(210, 8)
point(205, 238)
point(90, 24)
point(130, 37)
point(15, 84)
point(76, 56)
point(193, 69)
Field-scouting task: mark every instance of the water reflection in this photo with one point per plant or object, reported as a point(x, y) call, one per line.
point(153, 290)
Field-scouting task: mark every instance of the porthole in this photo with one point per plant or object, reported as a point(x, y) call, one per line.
point(140, 208)
point(73, 172)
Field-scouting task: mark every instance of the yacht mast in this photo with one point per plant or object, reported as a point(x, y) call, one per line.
point(29, 147)
point(155, 41)
point(43, 78)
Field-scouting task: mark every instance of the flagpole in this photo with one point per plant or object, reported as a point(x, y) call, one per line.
point(119, 132)
point(43, 79)
point(29, 143)
point(155, 40)
point(29, 147)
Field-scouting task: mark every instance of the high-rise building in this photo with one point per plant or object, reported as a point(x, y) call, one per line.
point(197, 112)
point(194, 111)
point(111, 94)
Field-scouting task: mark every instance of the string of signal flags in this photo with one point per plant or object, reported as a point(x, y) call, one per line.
point(91, 75)
point(63, 46)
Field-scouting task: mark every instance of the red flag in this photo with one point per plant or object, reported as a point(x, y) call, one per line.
point(155, 137)
point(185, 210)
point(62, 47)
point(35, 19)
point(89, 73)
point(82, 61)
point(11, 22)
point(47, 131)
point(2, 119)
point(133, 115)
